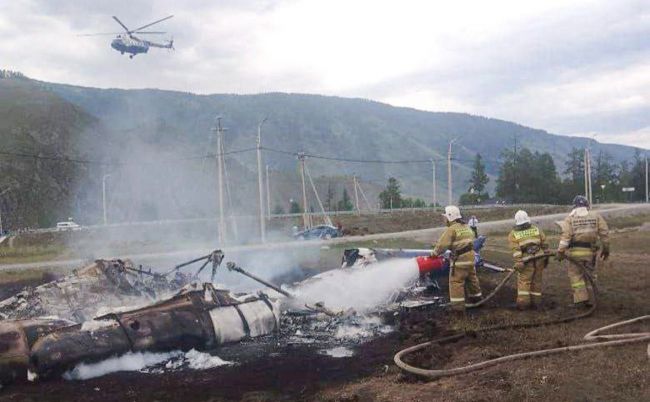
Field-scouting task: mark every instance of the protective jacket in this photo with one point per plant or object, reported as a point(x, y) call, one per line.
point(525, 241)
point(458, 238)
point(581, 230)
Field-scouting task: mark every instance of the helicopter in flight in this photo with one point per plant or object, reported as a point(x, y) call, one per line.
point(129, 43)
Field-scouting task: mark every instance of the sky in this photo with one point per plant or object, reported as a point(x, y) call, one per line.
point(568, 67)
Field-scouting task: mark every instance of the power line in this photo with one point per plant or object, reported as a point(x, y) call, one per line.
point(377, 161)
point(331, 158)
point(96, 162)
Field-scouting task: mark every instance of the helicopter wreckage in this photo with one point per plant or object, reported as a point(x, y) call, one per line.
point(111, 308)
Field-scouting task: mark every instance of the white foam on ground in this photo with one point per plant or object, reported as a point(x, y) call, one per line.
point(363, 327)
point(201, 360)
point(339, 351)
point(140, 361)
point(127, 362)
point(362, 288)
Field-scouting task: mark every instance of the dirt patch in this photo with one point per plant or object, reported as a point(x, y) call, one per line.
point(264, 373)
point(269, 371)
point(621, 374)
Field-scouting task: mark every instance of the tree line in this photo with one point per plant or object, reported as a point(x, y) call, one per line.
point(532, 177)
point(524, 177)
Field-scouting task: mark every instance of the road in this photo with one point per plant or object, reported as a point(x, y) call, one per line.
point(545, 221)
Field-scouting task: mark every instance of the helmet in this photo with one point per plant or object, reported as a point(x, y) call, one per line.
point(521, 217)
point(580, 201)
point(452, 213)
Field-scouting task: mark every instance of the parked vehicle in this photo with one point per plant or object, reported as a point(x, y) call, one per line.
point(69, 225)
point(318, 232)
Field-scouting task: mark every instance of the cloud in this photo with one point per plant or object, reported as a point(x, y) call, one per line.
point(566, 67)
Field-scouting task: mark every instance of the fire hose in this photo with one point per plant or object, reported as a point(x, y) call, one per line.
point(505, 280)
point(595, 336)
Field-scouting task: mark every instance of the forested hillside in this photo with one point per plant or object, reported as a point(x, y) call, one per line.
point(155, 149)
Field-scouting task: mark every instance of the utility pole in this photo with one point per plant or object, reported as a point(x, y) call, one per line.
point(222, 216)
point(305, 214)
point(259, 181)
point(106, 176)
point(514, 173)
point(591, 188)
point(435, 197)
point(586, 164)
point(450, 184)
point(356, 195)
point(268, 194)
point(588, 189)
point(646, 180)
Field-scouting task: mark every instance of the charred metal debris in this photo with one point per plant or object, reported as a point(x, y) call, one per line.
point(111, 307)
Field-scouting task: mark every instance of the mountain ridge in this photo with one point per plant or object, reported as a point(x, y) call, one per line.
point(155, 127)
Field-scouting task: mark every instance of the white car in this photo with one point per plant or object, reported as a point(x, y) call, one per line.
point(69, 225)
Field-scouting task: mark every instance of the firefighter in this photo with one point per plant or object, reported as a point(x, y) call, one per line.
point(458, 239)
point(581, 231)
point(473, 224)
point(528, 241)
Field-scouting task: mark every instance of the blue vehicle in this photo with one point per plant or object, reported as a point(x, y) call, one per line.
point(323, 232)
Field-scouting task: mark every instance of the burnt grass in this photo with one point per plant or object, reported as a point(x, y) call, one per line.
point(265, 372)
point(275, 371)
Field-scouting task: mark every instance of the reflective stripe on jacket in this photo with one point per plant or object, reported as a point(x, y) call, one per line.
point(457, 237)
point(523, 240)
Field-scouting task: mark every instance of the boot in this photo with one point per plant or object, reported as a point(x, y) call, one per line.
point(583, 305)
point(474, 299)
point(519, 306)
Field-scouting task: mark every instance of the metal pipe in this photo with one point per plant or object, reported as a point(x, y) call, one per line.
point(233, 267)
point(179, 266)
point(104, 197)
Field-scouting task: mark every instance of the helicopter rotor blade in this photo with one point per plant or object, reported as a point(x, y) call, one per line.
point(101, 34)
point(152, 23)
point(123, 26)
point(149, 32)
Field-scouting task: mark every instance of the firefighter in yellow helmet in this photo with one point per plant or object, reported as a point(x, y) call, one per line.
point(526, 241)
point(458, 238)
point(581, 231)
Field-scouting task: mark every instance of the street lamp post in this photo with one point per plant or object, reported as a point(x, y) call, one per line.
point(106, 176)
point(260, 181)
point(449, 178)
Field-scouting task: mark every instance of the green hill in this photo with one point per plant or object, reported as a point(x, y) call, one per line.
point(153, 140)
point(331, 126)
point(37, 122)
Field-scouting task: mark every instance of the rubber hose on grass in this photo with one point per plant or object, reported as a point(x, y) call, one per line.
point(593, 336)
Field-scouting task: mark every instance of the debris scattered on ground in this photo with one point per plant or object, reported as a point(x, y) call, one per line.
point(79, 297)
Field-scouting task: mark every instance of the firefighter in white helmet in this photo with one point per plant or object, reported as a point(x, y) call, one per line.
point(581, 231)
point(458, 238)
point(528, 241)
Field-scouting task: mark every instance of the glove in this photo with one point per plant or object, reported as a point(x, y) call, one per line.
point(560, 255)
point(604, 254)
point(519, 266)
